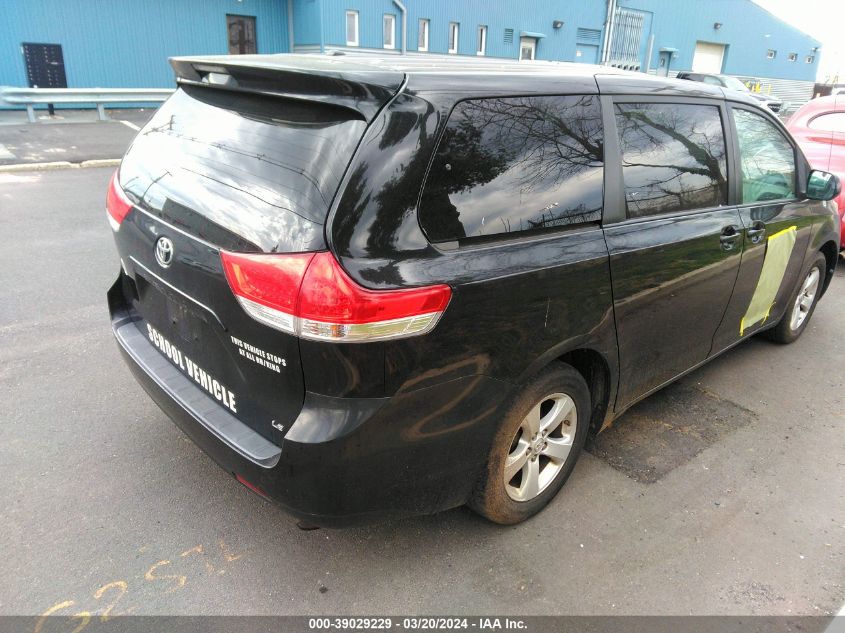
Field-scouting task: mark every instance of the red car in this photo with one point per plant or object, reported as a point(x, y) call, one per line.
point(819, 128)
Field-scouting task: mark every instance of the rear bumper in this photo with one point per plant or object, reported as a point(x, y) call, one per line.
point(176, 388)
point(344, 461)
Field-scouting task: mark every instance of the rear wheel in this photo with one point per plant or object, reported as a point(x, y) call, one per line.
point(536, 447)
point(802, 304)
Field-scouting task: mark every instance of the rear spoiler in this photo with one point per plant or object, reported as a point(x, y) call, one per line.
point(326, 80)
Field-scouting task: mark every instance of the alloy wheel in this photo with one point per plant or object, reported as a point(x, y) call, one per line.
point(804, 300)
point(540, 447)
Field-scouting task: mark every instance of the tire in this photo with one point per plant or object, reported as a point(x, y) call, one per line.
point(559, 399)
point(791, 325)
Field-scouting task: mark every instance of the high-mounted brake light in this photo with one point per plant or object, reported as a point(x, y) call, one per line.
point(118, 205)
point(310, 295)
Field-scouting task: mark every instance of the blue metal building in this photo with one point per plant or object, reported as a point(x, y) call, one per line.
point(126, 43)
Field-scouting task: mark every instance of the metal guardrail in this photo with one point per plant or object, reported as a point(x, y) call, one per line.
point(30, 97)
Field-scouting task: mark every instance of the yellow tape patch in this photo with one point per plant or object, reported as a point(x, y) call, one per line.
point(778, 251)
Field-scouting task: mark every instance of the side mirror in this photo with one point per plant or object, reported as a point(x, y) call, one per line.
point(822, 185)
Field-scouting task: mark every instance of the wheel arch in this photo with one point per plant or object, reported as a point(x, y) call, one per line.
point(595, 370)
point(830, 250)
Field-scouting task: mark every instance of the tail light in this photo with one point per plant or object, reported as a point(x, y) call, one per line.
point(310, 295)
point(118, 205)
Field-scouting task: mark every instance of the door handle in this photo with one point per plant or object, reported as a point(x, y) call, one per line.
point(729, 237)
point(757, 232)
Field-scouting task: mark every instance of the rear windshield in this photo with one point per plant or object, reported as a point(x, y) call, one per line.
point(262, 168)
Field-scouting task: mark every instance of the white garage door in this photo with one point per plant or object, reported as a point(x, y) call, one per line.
point(708, 57)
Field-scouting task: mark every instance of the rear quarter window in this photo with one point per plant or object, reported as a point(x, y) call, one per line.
point(515, 165)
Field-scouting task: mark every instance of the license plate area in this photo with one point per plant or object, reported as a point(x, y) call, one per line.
point(180, 307)
point(246, 374)
point(193, 342)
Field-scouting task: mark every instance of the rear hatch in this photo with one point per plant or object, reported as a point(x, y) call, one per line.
point(245, 158)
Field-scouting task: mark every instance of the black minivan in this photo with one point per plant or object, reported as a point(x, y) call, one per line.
point(378, 287)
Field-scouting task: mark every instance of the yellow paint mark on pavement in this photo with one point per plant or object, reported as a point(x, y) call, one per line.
point(179, 579)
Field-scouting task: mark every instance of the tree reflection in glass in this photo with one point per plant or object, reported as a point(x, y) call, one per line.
point(673, 157)
point(515, 164)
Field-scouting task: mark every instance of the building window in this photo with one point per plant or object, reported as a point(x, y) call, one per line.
point(422, 35)
point(771, 53)
point(810, 59)
point(389, 27)
point(352, 28)
point(241, 34)
point(793, 57)
point(481, 45)
point(453, 37)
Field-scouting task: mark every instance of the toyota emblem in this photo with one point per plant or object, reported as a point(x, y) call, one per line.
point(164, 252)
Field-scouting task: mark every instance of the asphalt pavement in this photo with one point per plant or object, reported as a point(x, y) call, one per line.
point(72, 136)
point(720, 495)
